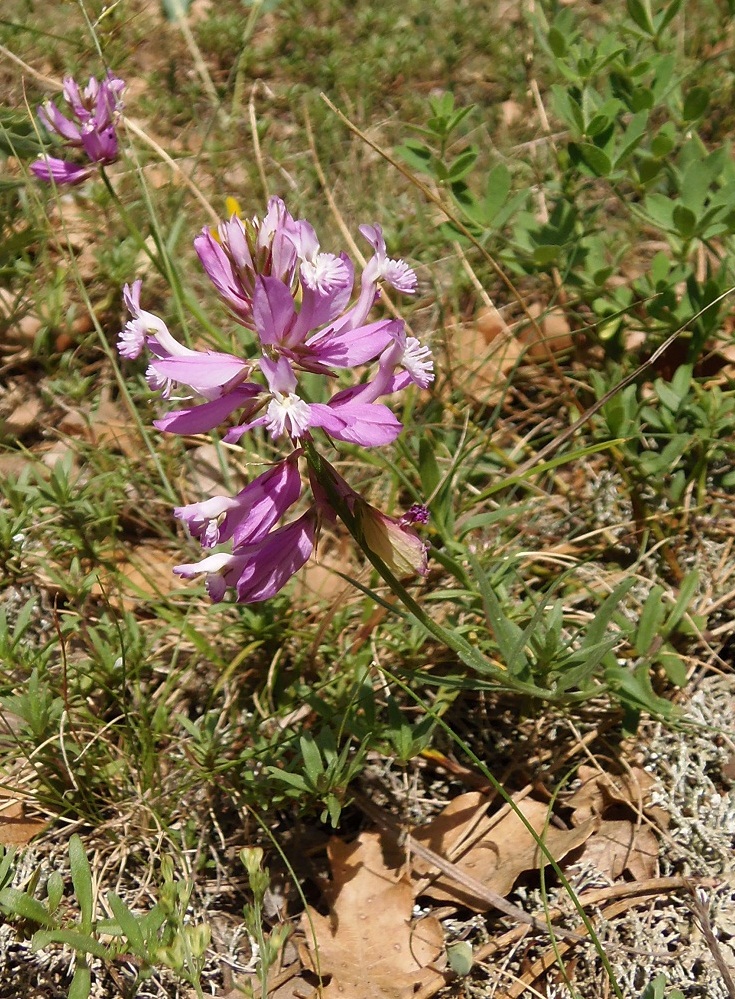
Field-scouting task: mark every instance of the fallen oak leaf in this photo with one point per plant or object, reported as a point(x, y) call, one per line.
point(141, 574)
point(367, 944)
point(622, 842)
point(435, 861)
point(599, 793)
point(504, 851)
point(481, 364)
point(15, 828)
point(620, 845)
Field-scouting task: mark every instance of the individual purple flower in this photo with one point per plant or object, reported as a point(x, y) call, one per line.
point(238, 252)
point(248, 516)
point(393, 541)
point(369, 424)
point(349, 327)
point(258, 570)
point(142, 327)
point(145, 330)
point(396, 273)
point(284, 412)
point(90, 129)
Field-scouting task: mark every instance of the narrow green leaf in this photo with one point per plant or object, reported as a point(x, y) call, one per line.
point(567, 108)
point(508, 636)
point(457, 117)
point(640, 12)
point(662, 22)
point(546, 254)
point(696, 103)
point(462, 164)
point(7, 857)
point(557, 42)
point(428, 467)
point(295, 780)
point(312, 758)
point(598, 628)
point(81, 876)
point(674, 666)
point(81, 983)
point(54, 891)
point(594, 158)
point(416, 155)
point(686, 591)
point(128, 923)
point(663, 143)
point(82, 942)
point(649, 624)
point(634, 133)
point(660, 210)
point(593, 656)
point(497, 190)
point(18, 903)
point(684, 220)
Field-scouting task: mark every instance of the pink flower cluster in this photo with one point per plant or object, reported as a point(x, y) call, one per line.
point(90, 130)
point(298, 304)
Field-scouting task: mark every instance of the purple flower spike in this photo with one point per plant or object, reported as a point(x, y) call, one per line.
point(96, 110)
point(303, 318)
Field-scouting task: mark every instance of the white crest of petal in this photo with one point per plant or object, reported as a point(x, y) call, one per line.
point(399, 276)
point(418, 362)
point(158, 382)
point(131, 340)
point(325, 272)
point(287, 414)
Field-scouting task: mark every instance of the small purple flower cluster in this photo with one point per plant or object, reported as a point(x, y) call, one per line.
point(91, 129)
point(295, 300)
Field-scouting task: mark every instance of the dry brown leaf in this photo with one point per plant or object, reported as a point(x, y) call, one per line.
point(106, 426)
point(15, 828)
point(463, 816)
point(551, 333)
point(22, 416)
point(620, 845)
point(12, 464)
point(600, 793)
point(318, 581)
point(491, 324)
point(482, 368)
point(17, 322)
point(368, 944)
point(500, 855)
point(205, 472)
point(141, 572)
point(511, 112)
